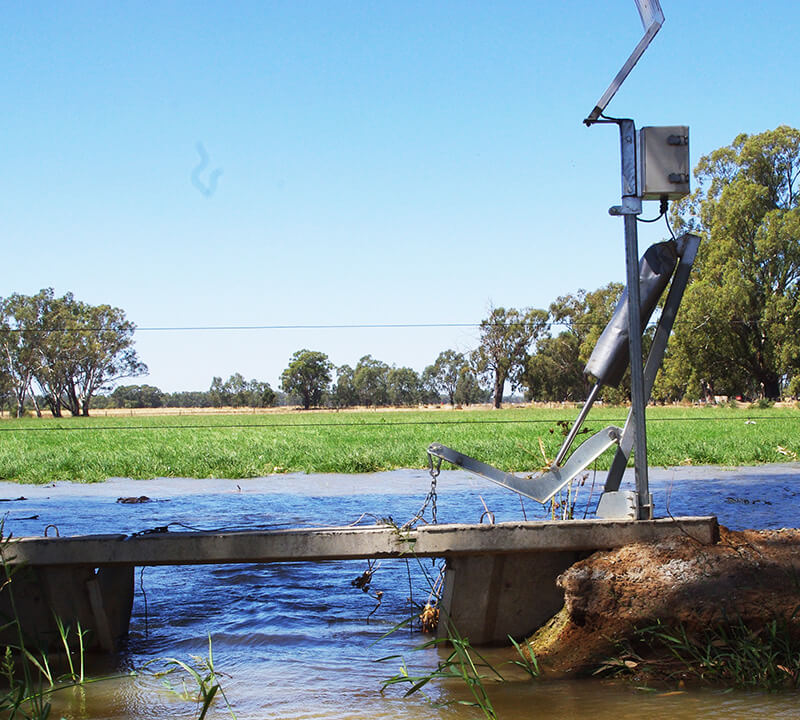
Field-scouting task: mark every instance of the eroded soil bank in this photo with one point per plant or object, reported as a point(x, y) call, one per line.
point(749, 576)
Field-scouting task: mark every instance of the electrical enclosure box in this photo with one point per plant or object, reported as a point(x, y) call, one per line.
point(663, 171)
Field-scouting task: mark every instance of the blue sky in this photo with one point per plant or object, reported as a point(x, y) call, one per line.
point(382, 163)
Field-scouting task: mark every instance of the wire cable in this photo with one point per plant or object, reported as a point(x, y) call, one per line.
point(669, 227)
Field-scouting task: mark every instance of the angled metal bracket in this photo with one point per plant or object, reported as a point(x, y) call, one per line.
point(543, 486)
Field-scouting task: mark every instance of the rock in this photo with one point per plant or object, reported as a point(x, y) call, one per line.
point(750, 575)
point(133, 500)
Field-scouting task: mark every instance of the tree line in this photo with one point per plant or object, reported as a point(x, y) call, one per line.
point(737, 334)
point(312, 380)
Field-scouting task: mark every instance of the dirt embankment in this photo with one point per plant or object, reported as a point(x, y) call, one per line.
point(750, 575)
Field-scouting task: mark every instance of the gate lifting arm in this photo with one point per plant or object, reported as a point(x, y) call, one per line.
point(607, 364)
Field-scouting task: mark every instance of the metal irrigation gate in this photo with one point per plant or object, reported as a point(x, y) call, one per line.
point(655, 166)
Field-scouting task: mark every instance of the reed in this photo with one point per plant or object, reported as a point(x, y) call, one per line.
point(204, 680)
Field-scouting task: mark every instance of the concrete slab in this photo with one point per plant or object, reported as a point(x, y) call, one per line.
point(345, 543)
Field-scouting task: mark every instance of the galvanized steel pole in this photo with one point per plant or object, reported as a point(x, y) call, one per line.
point(637, 372)
point(630, 208)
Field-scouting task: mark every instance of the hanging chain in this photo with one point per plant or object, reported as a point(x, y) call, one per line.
point(434, 468)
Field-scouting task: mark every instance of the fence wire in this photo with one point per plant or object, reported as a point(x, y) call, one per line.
point(391, 423)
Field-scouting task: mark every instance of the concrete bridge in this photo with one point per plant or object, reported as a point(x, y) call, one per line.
point(500, 579)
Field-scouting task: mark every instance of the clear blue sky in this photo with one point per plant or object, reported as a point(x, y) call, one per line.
point(382, 162)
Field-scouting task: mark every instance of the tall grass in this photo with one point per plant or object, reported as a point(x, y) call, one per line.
point(237, 446)
point(731, 654)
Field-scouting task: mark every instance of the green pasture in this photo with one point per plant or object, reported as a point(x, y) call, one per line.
point(237, 446)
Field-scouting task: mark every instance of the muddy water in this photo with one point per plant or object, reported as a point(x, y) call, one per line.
point(295, 640)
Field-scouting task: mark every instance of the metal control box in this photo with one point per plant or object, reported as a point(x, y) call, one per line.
point(663, 167)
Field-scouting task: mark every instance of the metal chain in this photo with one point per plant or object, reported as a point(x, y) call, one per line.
point(434, 468)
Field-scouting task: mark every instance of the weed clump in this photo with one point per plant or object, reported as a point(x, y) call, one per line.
point(730, 653)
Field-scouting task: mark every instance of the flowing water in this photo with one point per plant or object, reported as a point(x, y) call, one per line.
point(298, 640)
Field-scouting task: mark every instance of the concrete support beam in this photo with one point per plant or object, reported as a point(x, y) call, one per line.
point(99, 601)
point(489, 597)
point(348, 543)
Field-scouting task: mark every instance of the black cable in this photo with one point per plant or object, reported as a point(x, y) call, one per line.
point(651, 220)
point(610, 119)
point(669, 227)
point(662, 211)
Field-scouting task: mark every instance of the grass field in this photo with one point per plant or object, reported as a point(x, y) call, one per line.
point(251, 445)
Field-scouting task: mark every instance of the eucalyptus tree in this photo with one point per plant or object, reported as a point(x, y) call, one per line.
point(555, 371)
point(87, 349)
point(429, 390)
point(403, 386)
point(22, 336)
point(469, 390)
point(505, 339)
point(739, 328)
point(446, 372)
point(69, 348)
point(584, 315)
point(343, 393)
point(371, 381)
point(307, 376)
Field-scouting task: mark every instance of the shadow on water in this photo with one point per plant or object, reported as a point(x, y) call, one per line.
point(295, 639)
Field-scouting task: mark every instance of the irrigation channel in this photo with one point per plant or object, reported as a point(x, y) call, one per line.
point(299, 640)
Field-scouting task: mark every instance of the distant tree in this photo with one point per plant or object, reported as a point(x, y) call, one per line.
point(584, 315)
point(739, 325)
point(447, 371)
point(429, 391)
point(307, 376)
point(506, 336)
point(469, 390)
point(260, 394)
point(233, 392)
point(344, 391)
point(218, 393)
point(555, 370)
point(371, 381)
point(137, 396)
point(237, 390)
point(188, 399)
point(88, 348)
point(403, 386)
point(103, 354)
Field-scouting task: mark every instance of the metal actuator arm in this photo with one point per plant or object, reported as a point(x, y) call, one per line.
point(541, 487)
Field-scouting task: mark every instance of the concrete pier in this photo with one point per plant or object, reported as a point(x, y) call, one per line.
point(500, 579)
